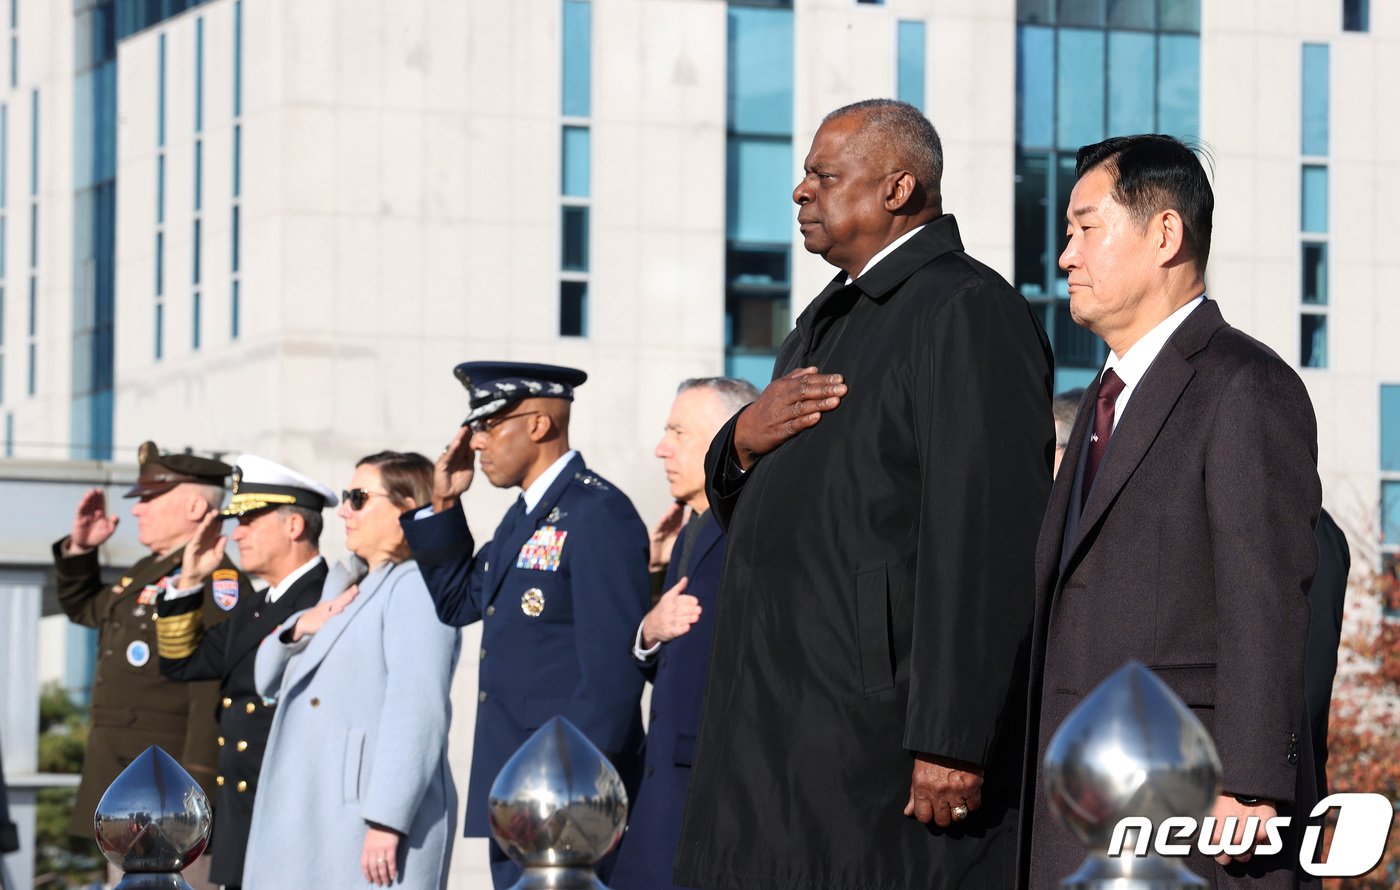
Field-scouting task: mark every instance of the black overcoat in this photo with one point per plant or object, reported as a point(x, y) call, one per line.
point(878, 590)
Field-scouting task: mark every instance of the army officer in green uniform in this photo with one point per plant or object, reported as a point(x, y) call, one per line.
point(133, 705)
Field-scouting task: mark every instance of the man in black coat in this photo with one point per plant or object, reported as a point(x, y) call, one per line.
point(674, 640)
point(278, 535)
point(864, 717)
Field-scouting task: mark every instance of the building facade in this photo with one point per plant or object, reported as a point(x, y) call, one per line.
point(275, 227)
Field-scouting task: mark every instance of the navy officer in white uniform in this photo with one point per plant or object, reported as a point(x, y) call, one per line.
point(560, 588)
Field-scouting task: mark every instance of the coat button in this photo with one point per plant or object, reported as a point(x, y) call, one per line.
point(315, 703)
point(483, 653)
point(221, 741)
point(650, 770)
point(1293, 758)
point(242, 786)
point(490, 610)
point(250, 707)
point(228, 702)
point(257, 614)
point(481, 696)
point(242, 745)
point(219, 780)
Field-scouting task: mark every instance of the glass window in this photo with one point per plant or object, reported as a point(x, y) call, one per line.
point(199, 75)
point(752, 268)
point(759, 185)
point(1132, 82)
point(573, 308)
point(1132, 14)
point(237, 160)
point(235, 308)
point(160, 331)
point(1356, 15)
point(1180, 15)
point(160, 95)
point(1075, 347)
point(910, 74)
point(757, 321)
point(197, 249)
point(33, 380)
point(196, 312)
point(1081, 12)
point(1079, 92)
point(237, 58)
point(1035, 12)
point(198, 174)
point(760, 71)
point(160, 189)
point(1316, 98)
point(576, 149)
point(160, 263)
point(1035, 86)
point(1314, 198)
point(575, 239)
point(578, 39)
point(1179, 85)
point(1312, 347)
point(1315, 274)
point(1390, 512)
point(1390, 431)
point(1033, 223)
point(236, 234)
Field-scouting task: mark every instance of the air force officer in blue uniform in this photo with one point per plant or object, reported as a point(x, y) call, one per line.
point(560, 588)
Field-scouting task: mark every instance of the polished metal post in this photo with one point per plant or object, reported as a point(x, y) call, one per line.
point(153, 822)
point(556, 808)
point(1131, 748)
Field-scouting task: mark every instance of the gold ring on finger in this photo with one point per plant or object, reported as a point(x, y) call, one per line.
point(960, 812)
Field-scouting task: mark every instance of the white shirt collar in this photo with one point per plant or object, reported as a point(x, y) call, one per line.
point(275, 591)
point(887, 250)
point(1132, 365)
point(536, 491)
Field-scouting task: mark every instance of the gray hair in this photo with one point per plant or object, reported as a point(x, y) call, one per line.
point(899, 131)
point(312, 519)
point(734, 394)
point(213, 495)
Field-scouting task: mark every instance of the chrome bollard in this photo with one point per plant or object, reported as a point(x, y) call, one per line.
point(1131, 748)
point(153, 822)
point(556, 808)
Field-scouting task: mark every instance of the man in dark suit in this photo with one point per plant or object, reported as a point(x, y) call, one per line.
point(673, 642)
point(880, 500)
point(1327, 602)
point(560, 588)
point(133, 705)
point(1180, 532)
point(278, 538)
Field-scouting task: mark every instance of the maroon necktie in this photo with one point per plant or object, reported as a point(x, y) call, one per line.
point(1109, 388)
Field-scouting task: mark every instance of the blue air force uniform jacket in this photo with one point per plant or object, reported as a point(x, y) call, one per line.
point(560, 597)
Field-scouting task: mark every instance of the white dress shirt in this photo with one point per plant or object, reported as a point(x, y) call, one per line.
point(1133, 364)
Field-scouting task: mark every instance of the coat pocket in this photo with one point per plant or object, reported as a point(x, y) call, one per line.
point(354, 762)
point(873, 629)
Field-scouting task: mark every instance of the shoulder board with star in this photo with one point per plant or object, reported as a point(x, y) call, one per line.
point(589, 480)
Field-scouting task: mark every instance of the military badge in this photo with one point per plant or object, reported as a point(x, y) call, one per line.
point(532, 602)
point(225, 589)
point(149, 594)
point(543, 551)
point(138, 653)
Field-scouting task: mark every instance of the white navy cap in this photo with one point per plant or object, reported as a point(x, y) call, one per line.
point(259, 483)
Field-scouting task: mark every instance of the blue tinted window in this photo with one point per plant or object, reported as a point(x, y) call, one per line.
point(199, 75)
point(575, 239)
point(1081, 12)
point(1179, 85)
point(1390, 512)
point(578, 28)
point(1079, 88)
point(160, 95)
point(198, 174)
point(1356, 15)
point(236, 236)
point(1315, 274)
point(160, 332)
point(575, 162)
point(195, 312)
point(196, 247)
point(1314, 198)
point(160, 263)
point(1180, 15)
point(235, 310)
point(237, 58)
point(1139, 14)
point(237, 160)
point(573, 308)
point(33, 363)
point(910, 75)
point(760, 71)
point(1316, 98)
point(1390, 431)
point(1312, 347)
point(1035, 86)
point(160, 189)
point(1035, 12)
point(1132, 82)
point(759, 201)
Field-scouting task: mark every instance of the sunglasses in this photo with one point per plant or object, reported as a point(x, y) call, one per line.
point(488, 425)
point(357, 497)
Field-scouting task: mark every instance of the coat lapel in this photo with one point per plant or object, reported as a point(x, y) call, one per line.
point(331, 631)
point(1152, 403)
point(710, 535)
point(301, 595)
point(504, 556)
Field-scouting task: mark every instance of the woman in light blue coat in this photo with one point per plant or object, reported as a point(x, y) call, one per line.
point(355, 788)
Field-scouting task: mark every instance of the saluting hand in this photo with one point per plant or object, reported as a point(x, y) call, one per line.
point(939, 785)
point(314, 618)
point(671, 617)
point(203, 552)
point(453, 472)
point(663, 535)
point(786, 407)
point(92, 525)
